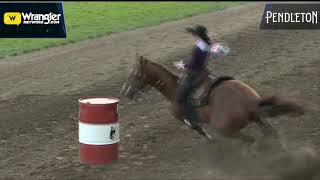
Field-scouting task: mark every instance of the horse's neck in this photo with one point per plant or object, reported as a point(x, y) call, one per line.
point(163, 80)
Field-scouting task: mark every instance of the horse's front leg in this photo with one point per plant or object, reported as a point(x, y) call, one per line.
point(175, 111)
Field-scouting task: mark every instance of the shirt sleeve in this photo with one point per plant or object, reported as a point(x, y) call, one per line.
point(192, 62)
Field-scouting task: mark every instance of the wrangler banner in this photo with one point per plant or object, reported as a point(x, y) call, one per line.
point(32, 20)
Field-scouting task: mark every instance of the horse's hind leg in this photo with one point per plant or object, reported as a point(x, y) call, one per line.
point(231, 133)
point(271, 139)
point(266, 127)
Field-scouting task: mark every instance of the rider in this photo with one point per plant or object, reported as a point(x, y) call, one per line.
point(193, 68)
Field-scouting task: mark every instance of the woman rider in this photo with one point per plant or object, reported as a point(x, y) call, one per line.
point(193, 68)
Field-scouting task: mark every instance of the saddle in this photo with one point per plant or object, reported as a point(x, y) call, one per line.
point(203, 87)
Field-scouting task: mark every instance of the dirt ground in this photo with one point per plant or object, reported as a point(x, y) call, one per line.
point(39, 93)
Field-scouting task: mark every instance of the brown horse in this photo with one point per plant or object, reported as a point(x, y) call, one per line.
point(232, 105)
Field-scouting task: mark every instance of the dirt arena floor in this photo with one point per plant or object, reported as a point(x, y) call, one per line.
point(39, 93)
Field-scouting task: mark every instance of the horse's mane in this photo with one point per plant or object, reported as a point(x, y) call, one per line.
point(172, 74)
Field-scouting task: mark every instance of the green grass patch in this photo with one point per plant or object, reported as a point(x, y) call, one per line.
point(93, 19)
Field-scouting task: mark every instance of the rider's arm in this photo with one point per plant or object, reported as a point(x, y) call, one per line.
point(191, 63)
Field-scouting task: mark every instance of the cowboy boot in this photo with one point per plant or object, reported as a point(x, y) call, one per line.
point(197, 126)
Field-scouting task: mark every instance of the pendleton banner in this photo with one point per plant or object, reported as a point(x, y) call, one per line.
point(291, 16)
point(32, 20)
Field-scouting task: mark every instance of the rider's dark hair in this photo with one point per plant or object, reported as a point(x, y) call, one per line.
point(206, 39)
point(200, 31)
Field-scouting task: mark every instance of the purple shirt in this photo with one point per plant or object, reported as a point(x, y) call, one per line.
point(199, 57)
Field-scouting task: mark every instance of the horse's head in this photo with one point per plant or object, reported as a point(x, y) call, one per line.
point(137, 79)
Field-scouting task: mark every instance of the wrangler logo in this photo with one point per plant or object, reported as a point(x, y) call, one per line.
point(12, 18)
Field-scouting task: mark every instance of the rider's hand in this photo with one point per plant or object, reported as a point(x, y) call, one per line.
point(179, 65)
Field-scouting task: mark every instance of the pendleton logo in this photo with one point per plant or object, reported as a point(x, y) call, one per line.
point(16, 18)
point(309, 17)
point(291, 16)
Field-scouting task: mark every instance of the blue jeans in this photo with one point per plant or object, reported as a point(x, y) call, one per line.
point(184, 89)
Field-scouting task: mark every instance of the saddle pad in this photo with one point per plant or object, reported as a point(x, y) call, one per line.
point(199, 96)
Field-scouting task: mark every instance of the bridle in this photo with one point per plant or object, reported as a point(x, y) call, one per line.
point(137, 74)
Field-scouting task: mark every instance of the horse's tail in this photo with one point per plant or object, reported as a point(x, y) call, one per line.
point(279, 105)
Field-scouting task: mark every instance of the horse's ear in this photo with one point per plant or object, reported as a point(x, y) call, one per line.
point(139, 58)
point(143, 60)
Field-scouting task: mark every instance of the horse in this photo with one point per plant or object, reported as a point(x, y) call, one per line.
point(231, 106)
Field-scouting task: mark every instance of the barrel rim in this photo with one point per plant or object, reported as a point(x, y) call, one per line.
point(91, 97)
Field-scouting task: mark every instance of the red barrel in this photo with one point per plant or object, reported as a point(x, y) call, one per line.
point(98, 130)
